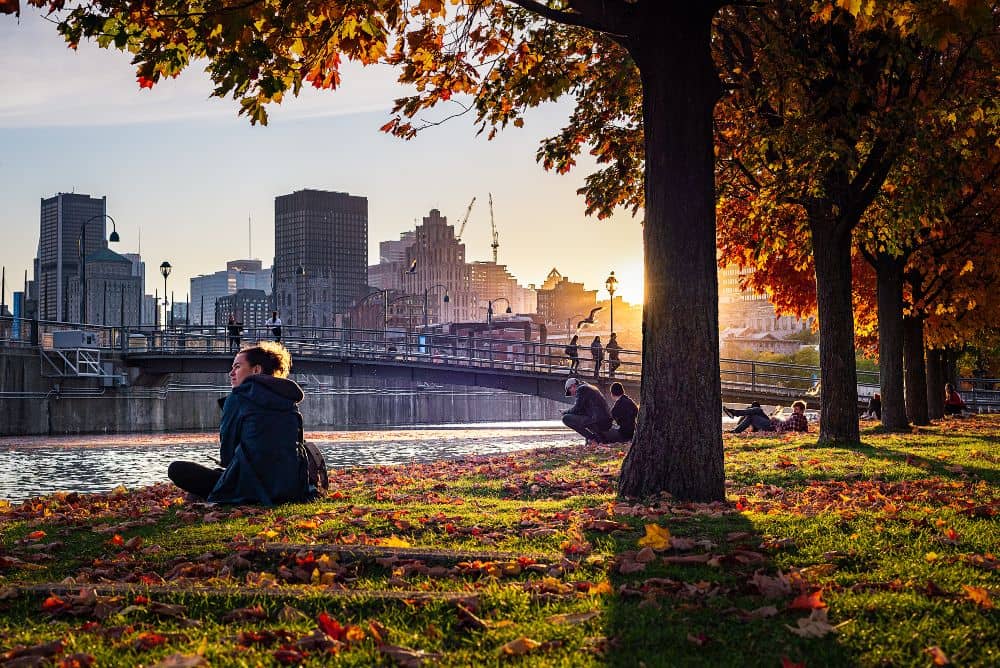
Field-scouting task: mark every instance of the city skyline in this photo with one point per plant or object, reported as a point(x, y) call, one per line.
point(184, 173)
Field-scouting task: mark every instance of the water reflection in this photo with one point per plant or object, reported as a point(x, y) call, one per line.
point(33, 466)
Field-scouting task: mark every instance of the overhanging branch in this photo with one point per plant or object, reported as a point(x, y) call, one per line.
point(596, 20)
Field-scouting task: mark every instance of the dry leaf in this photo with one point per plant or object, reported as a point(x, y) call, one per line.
point(521, 646)
point(408, 658)
point(979, 596)
point(573, 618)
point(937, 656)
point(815, 625)
point(656, 537)
point(181, 661)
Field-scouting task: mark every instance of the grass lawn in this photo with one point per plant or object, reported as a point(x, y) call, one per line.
point(883, 553)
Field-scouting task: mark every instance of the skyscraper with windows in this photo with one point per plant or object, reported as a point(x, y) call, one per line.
point(320, 254)
point(64, 220)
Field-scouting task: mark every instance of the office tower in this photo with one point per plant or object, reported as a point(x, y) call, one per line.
point(207, 289)
point(64, 219)
point(321, 255)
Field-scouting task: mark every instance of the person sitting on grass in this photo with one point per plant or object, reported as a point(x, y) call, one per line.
point(624, 413)
point(589, 415)
point(953, 403)
point(797, 421)
point(874, 410)
point(260, 433)
point(752, 417)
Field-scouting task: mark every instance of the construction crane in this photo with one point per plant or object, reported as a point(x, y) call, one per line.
point(496, 239)
point(465, 219)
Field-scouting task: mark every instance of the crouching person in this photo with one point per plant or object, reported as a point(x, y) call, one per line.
point(260, 433)
point(589, 415)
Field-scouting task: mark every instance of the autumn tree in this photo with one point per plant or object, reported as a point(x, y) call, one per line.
point(825, 101)
point(506, 55)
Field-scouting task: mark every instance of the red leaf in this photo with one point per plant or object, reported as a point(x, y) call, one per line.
point(330, 626)
point(808, 601)
point(145, 82)
point(788, 663)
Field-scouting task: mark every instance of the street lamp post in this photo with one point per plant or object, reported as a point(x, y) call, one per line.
point(385, 306)
point(426, 291)
point(113, 237)
point(165, 270)
point(489, 309)
point(611, 284)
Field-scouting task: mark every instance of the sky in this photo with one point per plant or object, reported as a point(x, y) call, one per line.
point(189, 181)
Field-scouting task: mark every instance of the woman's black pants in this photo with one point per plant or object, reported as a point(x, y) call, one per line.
point(194, 478)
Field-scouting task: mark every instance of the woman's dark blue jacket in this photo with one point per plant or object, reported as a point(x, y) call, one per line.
point(260, 444)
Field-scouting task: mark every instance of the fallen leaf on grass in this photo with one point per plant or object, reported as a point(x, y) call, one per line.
point(468, 619)
point(180, 661)
point(657, 537)
point(288, 614)
point(808, 601)
point(573, 618)
point(979, 596)
point(687, 559)
point(816, 625)
point(521, 646)
point(408, 658)
point(257, 612)
point(699, 639)
point(937, 656)
point(771, 587)
point(788, 663)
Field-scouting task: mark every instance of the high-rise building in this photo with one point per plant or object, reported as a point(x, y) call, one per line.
point(320, 255)
point(114, 294)
point(65, 219)
point(251, 308)
point(491, 281)
point(206, 289)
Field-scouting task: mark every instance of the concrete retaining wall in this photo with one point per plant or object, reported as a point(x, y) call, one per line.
point(31, 404)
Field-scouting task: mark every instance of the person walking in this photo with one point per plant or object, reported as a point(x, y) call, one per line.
point(597, 352)
point(573, 353)
point(274, 323)
point(613, 361)
point(260, 437)
point(234, 329)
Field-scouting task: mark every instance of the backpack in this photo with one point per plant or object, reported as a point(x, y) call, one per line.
point(315, 465)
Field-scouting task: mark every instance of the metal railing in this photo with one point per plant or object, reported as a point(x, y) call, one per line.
point(399, 346)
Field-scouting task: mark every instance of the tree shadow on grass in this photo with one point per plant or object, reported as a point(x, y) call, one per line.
point(707, 614)
point(930, 465)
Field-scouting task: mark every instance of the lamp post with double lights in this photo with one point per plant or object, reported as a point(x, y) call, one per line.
point(165, 270)
point(82, 243)
point(611, 283)
point(427, 291)
point(489, 309)
point(385, 306)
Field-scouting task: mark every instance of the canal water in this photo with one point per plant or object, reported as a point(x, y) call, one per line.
point(33, 466)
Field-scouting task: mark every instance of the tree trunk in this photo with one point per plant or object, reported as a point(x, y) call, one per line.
point(678, 443)
point(935, 383)
point(890, 341)
point(838, 368)
point(913, 366)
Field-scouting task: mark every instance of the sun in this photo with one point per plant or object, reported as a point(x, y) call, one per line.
point(630, 282)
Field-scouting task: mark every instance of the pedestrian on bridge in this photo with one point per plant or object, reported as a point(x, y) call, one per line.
point(597, 352)
point(274, 322)
point(613, 349)
point(573, 353)
point(234, 329)
point(261, 445)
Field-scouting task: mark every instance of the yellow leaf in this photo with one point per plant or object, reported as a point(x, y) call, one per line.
point(656, 537)
point(979, 596)
point(931, 557)
point(521, 646)
point(600, 588)
point(393, 541)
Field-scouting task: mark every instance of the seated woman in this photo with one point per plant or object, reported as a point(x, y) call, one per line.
point(260, 436)
point(953, 403)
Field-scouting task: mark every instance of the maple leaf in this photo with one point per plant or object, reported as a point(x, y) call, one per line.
point(979, 595)
point(656, 537)
point(808, 601)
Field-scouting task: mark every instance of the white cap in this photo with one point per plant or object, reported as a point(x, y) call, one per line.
point(570, 383)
